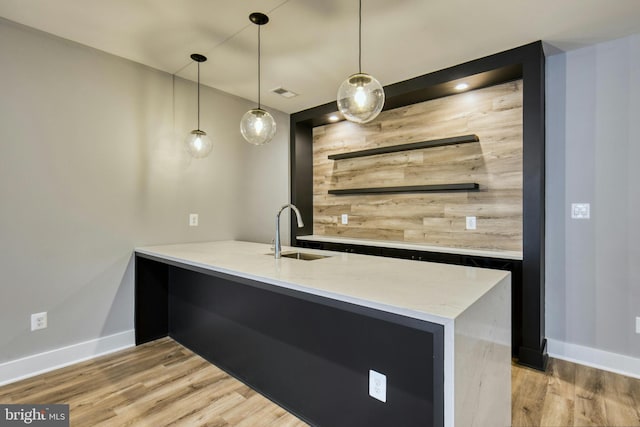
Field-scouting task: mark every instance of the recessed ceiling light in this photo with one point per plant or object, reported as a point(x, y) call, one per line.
point(334, 118)
point(284, 92)
point(462, 86)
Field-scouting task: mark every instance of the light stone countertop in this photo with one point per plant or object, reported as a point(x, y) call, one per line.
point(514, 255)
point(428, 291)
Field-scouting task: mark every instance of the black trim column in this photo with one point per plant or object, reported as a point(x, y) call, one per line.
point(301, 177)
point(533, 350)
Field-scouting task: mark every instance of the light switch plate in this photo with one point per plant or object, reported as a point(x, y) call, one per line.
point(580, 210)
point(378, 386)
point(471, 223)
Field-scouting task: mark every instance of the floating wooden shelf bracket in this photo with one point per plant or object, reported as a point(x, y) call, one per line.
point(405, 147)
point(439, 188)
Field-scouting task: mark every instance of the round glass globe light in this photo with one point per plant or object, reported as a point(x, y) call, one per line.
point(257, 126)
point(360, 98)
point(198, 144)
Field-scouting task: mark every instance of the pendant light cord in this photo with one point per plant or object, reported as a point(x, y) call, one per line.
point(360, 37)
point(259, 105)
point(198, 96)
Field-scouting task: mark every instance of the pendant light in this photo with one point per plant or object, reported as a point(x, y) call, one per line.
point(199, 145)
point(360, 96)
point(257, 125)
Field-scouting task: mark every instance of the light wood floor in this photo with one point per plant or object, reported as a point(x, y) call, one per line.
point(573, 395)
point(164, 384)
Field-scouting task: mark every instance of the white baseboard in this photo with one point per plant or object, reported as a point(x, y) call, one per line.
point(607, 361)
point(36, 364)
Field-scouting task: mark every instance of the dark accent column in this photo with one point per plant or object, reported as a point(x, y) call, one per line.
point(533, 350)
point(301, 146)
point(151, 319)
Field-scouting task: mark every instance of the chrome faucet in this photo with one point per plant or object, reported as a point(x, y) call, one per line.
point(277, 247)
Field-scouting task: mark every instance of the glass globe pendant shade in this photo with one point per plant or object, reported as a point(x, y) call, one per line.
point(257, 126)
point(360, 98)
point(198, 144)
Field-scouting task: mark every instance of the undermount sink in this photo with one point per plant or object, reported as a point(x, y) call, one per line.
point(302, 255)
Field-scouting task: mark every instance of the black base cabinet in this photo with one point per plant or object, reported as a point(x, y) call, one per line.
point(514, 266)
point(309, 354)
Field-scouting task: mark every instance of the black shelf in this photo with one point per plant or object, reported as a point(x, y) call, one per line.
point(439, 188)
point(405, 147)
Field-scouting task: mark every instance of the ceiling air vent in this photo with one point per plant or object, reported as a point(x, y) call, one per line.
point(284, 92)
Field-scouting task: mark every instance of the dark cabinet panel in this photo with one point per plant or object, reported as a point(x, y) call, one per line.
point(421, 255)
point(150, 317)
point(310, 357)
point(514, 266)
point(309, 354)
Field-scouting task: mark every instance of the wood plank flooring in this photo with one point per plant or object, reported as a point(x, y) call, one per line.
point(164, 384)
point(569, 394)
point(157, 384)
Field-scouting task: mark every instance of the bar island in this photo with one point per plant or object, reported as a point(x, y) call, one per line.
point(338, 339)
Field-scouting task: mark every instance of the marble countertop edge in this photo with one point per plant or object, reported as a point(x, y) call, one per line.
point(391, 286)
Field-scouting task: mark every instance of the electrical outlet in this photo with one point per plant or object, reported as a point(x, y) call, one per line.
point(637, 325)
point(193, 220)
point(38, 321)
point(471, 223)
point(580, 210)
point(345, 219)
point(378, 386)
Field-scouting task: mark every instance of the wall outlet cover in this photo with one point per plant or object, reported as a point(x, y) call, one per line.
point(580, 210)
point(378, 386)
point(345, 219)
point(38, 321)
point(637, 325)
point(471, 223)
point(193, 220)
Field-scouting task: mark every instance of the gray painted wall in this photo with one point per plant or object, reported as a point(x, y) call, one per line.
point(593, 156)
point(92, 165)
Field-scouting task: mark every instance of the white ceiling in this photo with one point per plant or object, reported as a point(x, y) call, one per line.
point(310, 46)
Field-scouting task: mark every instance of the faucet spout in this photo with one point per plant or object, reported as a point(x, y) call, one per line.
point(277, 246)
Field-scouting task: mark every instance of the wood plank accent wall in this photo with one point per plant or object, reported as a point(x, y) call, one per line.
point(493, 113)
